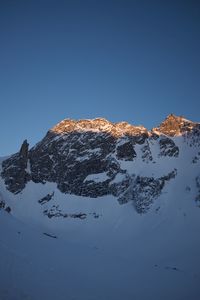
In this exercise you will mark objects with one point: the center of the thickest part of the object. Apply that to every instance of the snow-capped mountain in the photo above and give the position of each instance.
(94, 158)
(122, 202)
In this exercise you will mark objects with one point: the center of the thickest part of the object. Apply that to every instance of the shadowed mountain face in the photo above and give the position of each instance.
(93, 158)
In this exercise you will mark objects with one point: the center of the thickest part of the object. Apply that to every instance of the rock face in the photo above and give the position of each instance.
(15, 171)
(96, 157)
(198, 190)
(174, 126)
(3, 205)
(168, 147)
(23, 152)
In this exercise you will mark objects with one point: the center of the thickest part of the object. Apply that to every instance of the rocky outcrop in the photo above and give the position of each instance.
(126, 151)
(56, 212)
(14, 170)
(46, 199)
(168, 147)
(4, 206)
(146, 152)
(101, 125)
(143, 190)
(23, 152)
(198, 190)
(174, 126)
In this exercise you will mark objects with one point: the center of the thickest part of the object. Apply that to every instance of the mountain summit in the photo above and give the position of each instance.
(97, 125)
(174, 126)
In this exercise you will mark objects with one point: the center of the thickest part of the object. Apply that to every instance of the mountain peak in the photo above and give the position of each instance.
(175, 125)
(69, 125)
(97, 125)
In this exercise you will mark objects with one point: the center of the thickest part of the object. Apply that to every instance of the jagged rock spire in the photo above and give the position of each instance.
(14, 169)
(24, 149)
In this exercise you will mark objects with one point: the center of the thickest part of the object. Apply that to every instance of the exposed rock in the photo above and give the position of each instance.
(80, 216)
(8, 209)
(99, 125)
(198, 189)
(14, 170)
(50, 235)
(168, 147)
(146, 153)
(23, 152)
(174, 125)
(126, 151)
(73, 150)
(56, 212)
(143, 190)
(2, 204)
(46, 199)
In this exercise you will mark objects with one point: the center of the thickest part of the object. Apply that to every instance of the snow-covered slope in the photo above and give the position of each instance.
(119, 255)
(63, 244)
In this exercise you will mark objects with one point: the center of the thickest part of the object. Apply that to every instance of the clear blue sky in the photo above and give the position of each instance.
(123, 60)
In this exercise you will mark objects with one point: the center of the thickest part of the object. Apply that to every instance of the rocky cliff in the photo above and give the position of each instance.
(93, 158)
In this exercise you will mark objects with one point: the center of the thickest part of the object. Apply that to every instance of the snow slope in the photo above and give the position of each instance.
(119, 255)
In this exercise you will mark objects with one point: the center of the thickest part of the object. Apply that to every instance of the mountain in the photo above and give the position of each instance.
(111, 207)
(93, 158)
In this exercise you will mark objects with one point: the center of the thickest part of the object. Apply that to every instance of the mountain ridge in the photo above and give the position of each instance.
(93, 158)
(176, 122)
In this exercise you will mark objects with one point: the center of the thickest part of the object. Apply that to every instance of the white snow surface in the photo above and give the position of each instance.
(120, 255)
(98, 177)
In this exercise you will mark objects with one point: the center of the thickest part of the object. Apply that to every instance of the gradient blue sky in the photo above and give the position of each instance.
(123, 60)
